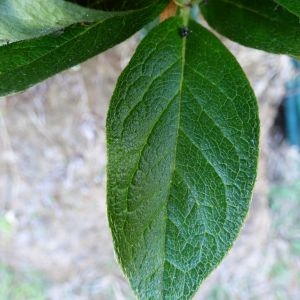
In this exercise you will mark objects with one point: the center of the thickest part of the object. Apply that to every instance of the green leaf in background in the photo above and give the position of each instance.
(255, 23)
(182, 136)
(21, 20)
(27, 62)
(111, 5)
(292, 5)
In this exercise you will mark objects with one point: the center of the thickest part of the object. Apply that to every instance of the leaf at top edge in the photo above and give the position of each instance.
(27, 62)
(23, 20)
(292, 5)
(182, 138)
(254, 23)
(111, 5)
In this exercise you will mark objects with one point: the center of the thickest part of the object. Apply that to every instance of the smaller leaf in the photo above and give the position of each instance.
(258, 24)
(23, 20)
(27, 62)
(292, 5)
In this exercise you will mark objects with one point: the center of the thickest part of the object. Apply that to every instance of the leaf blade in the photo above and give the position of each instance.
(21, 20)
(167, 121)
(27, 62)
(258, 24)
(292, 5)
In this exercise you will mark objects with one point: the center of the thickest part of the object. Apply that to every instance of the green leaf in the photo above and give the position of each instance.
(182, 136)
(292, 5)
(27, 62)
(22, 20)
(254, 23)
(111, 5)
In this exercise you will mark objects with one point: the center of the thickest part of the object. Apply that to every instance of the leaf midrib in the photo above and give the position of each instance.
(173, 169)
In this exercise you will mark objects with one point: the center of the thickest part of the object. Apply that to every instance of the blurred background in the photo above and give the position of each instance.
(54, 238)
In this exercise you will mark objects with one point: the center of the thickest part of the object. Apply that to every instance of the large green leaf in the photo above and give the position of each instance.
(255, 23)
(182, 135)
(292, 5)
(29, 61)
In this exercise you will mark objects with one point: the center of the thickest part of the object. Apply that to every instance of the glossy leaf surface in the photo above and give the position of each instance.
(27, 62)
(258, 24)
(182, 135)
(292, 5)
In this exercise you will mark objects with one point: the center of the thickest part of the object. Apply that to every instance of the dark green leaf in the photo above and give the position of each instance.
(255, 23)
(27, 62)
(110, 5)
(292, 5)
(182, 135)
